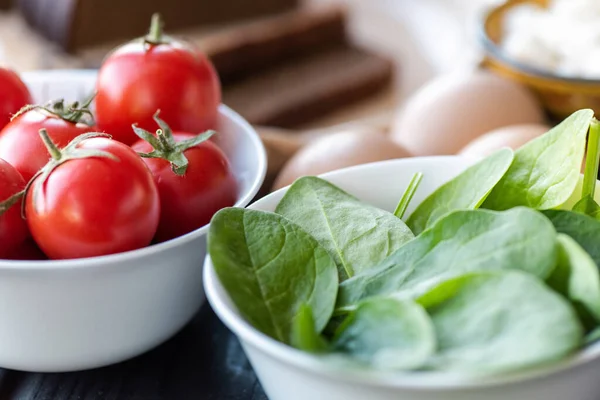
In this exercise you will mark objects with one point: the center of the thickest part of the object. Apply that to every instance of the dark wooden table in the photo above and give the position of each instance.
(204, 361)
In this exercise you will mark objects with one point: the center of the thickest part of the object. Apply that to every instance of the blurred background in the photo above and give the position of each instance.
(333, 83)
(421, 37)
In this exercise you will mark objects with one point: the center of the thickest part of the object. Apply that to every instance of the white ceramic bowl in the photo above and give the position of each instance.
(78, 314)
(288, 374)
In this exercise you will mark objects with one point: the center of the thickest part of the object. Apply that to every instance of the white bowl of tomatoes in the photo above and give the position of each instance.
(102, 236)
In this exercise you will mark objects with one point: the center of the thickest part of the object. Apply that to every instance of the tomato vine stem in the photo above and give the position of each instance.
(11, 201)
(74, 112)
(50, 146)
(156, 28)
(155, 34)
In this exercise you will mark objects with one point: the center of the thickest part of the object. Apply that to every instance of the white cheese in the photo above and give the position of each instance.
(563, 38)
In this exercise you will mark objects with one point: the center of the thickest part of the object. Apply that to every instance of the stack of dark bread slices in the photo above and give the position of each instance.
(295, 67)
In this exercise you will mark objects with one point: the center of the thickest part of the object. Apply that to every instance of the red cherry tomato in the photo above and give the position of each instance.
(13, 95)
(94, 206)
(156, 73)
(20, 142)
(13, 229)
(28, 250)
(188, 202)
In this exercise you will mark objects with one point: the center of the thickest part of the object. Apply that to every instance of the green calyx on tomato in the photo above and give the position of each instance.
(73, 112)
(166, 147)
(61, 156)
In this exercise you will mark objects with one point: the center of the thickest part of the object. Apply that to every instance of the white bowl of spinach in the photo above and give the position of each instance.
(434, 278)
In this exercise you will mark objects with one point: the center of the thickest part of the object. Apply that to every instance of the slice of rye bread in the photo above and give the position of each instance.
(294, 92)
(240, 51)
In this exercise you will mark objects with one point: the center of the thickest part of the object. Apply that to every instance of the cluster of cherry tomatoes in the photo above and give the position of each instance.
(74, 185)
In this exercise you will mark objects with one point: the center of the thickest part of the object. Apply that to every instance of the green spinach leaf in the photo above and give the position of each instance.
(545, 171)
(271, 267)
(464, 192)
(304, 333)
(593, 336)
(357, 235)
(387, 334)
(587, 204)
(412, 187)
(576, 277)
(583, 228)
(460, 242)
(498, 321)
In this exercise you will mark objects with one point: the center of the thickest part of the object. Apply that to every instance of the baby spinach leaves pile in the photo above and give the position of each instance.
(355, 234)
(486, 275)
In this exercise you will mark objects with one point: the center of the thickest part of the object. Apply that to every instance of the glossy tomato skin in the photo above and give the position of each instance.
(188, 202)
(136, 80)
(13, 95)
(13, 229)
(94, 206)
(22, 147)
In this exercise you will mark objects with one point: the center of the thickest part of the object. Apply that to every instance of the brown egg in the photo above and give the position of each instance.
(451, 111)
(513, 136)
(338, 150)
